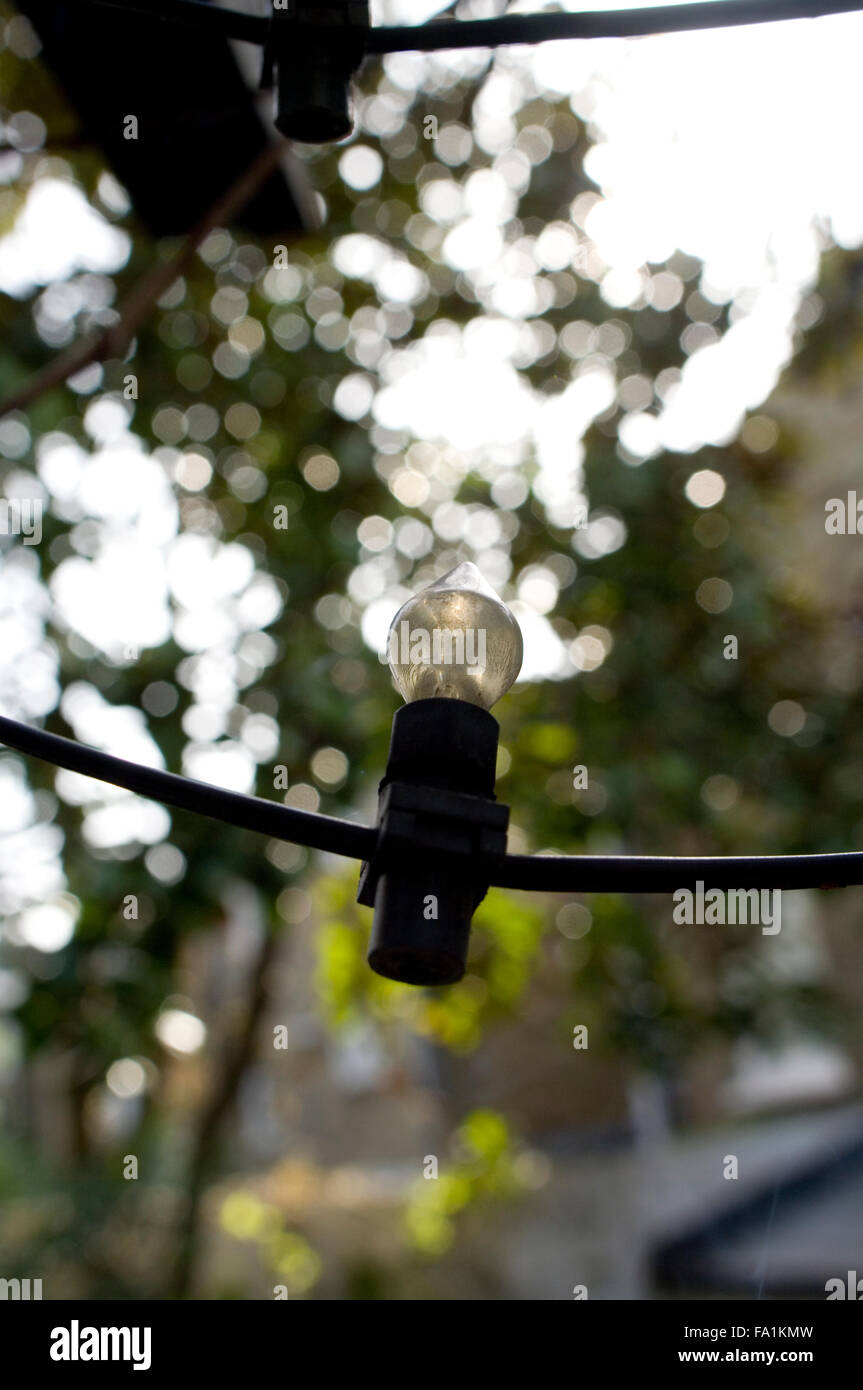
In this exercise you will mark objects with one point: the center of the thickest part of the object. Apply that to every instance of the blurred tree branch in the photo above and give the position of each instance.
(115, 340)
(234, 1063)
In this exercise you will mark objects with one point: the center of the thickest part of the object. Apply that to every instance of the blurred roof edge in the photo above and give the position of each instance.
(198, 126)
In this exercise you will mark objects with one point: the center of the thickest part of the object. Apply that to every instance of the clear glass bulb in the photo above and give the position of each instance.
(456, 640)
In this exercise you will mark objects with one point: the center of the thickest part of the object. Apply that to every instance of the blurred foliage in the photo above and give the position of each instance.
(485, 1165)
(245, 1217)
(508, 933)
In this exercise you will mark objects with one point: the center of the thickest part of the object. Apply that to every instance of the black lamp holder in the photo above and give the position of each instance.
(312, 50)
(438, 825)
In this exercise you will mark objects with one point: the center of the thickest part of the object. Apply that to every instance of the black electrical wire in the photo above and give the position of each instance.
(564, 873)
(507, 29)
(247, 812)
(599, 24)
(537, 872)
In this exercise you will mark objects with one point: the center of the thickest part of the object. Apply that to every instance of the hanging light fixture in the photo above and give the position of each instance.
(454, 649)
(313, 50)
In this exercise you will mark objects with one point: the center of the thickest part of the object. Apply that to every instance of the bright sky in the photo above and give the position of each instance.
(734, 146)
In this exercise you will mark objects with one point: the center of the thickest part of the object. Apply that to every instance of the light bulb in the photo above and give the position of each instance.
(455, 640)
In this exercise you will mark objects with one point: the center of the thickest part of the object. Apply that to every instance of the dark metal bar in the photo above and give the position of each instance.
(508, 29)
(198, 14)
